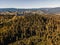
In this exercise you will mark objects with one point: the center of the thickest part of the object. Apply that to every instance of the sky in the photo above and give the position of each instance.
(29, 3)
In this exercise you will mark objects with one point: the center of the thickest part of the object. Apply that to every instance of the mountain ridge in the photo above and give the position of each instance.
(45, 10)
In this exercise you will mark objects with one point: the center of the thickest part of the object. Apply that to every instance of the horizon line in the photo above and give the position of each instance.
(28, 8)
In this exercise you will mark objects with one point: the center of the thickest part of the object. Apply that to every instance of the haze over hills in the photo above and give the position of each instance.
(45, 10)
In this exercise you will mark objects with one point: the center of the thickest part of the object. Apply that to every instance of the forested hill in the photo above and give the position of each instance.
(29, 29)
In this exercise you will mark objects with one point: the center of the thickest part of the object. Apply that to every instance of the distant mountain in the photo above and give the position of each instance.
(51, 10)
(45, 10)
(8, 9)
(14, 9)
